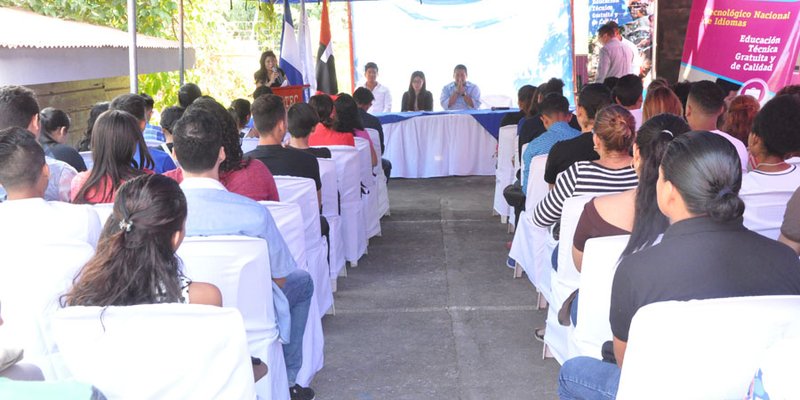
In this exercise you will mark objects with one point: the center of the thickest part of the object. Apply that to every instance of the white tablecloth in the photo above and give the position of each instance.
(439, 145)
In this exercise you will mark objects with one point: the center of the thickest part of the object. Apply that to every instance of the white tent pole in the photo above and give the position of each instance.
(181, 51)
(134, 77)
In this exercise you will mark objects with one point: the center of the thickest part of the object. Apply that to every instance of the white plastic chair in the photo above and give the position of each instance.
(104, 211)
(87, 159)
(381, 178)
(600, 257)
(703, 349)
(239, 267)
(249, 144)
(763, 212)
(504, 173)
(369, 198)
(348, 167)
(289, 220)
(303, 192)
(157, 351)
(564, 281)
(33, 276)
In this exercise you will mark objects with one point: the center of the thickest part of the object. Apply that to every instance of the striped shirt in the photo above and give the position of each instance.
(582, 178)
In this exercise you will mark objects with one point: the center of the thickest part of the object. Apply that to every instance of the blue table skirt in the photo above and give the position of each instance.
(489, 119)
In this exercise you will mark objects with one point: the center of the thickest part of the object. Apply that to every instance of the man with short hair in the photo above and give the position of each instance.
(706, 102)
(555, 116)
(212, 210)
(169, 117)
(364, 100)
(383, 98)
(136, 105)
(592, 98)
(151, 133)
(19, 108)
(302, 121)
(615, 59)
(188, 93)
(27, 216)
(628, 93)
(460, 94)
(269, 117)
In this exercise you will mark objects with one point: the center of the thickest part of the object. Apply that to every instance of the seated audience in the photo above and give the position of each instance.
(657, 83)
(706, 102)
(628, 93)
(302, 119)
(790, 229)
(135, 105)
(19, 108)
(681, 89)
(533, 126)
(240, 111)
(24, 175)
(346, 121)
(363, 98)
(188, 93)
(324, 134)
(53, 130)
(775, 133)
(705, 253)
(614, 132)
(169, 116)
(86, 142)
(555, 115)
(212, 210)
(524, 96)
(460, 94)
(592, 98)
(659, 101)
(739, 117)
(789, 89)
(382, 96)
(269, 116)
(417, 97)
(115, 139)
(151, 133)
(241, 175)
(611, 82)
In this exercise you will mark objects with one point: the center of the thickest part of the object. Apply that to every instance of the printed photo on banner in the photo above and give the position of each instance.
(635, 18)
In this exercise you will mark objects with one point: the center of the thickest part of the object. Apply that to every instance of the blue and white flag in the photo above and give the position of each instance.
(306, 52)
(290, 61)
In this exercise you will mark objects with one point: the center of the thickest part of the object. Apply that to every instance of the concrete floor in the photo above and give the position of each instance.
(432, 312)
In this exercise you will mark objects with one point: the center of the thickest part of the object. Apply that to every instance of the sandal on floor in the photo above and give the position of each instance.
(538, 334)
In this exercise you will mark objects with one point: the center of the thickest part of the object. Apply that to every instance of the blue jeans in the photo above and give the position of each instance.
(298, 290)
(588, 378)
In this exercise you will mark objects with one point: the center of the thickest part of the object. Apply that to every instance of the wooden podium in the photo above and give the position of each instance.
(290, 94)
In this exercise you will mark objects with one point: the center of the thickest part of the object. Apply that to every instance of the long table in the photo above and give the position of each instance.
(447, 143)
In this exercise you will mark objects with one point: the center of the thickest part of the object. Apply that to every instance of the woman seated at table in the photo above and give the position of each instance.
(239, 174)
(53, 130)
(115, 139)
(269, 74)
(345, 125)
(417, 98)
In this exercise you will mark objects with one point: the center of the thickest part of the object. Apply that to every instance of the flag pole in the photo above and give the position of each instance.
(352, 57)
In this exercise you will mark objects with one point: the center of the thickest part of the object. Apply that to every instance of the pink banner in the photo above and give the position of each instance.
(753, 43)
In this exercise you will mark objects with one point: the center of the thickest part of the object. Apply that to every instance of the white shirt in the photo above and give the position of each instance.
(759, 182)
(202, 183)
(34, 220)
(637, 115)
(740, 148)
(61, 176)
(636, 65)
(615, 59)
(383, 99)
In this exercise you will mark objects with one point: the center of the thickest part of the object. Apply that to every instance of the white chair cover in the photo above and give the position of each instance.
(104, 211)
(703, 349)
(330, 192)
(157, 351)
(239, 267)
(303, 191)
(600, 256)
(369, 198)
(348, 167)
(763, 212)
(87, 159)
(33, 276)
(381, 178)
(504, 174)
(289, 220)
(564, 281)
(249, 144)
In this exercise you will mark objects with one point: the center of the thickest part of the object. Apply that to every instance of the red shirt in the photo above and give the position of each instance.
(253, 181)
(93, 195)
(324, 136)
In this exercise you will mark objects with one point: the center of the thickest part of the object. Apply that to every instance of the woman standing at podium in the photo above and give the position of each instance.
(269, 74)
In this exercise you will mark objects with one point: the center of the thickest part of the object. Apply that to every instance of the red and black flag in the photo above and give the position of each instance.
(326, 67)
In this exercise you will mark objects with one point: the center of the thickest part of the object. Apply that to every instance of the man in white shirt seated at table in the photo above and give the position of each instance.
(212, 210)
(26, 216)
(383, 98)
(18, 107)
(460, 94)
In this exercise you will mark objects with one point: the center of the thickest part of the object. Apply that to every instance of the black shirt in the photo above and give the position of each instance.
(700, 258)
(319, 152)
(69, 155)
(372, 122)
(424, 102)
(568, 152)
(512, 118)
(287, 161)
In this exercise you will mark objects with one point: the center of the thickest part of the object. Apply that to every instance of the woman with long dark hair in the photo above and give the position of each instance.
(115, 138)
(344, 126)
(86, 142)
(417, 98)
(53, 130)
(269, 73)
